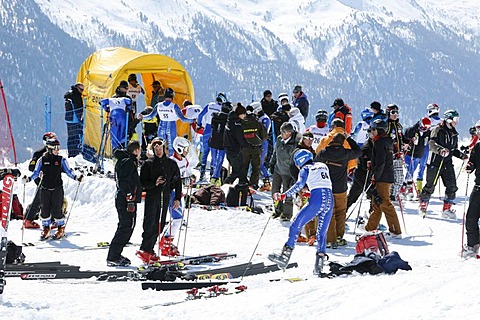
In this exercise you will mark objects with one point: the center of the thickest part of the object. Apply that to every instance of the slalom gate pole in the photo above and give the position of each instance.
(464, 215)
(255, 250)
(29, 208)
(364, 186)
(73, 203)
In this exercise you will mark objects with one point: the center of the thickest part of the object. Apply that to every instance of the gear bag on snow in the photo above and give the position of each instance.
(372, 241)
(14, 253)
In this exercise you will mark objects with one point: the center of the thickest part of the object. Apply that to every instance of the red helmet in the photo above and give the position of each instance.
(425, 123)
(49, 135)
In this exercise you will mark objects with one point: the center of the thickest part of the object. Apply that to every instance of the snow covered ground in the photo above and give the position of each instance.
(441, 285)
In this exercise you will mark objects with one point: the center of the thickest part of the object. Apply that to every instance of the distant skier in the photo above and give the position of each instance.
(74, 118)
(320, 129)
(316, 176)
(119, 109)
(50, 166)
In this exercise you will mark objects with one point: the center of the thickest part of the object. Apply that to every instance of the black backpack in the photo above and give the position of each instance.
(237, 196)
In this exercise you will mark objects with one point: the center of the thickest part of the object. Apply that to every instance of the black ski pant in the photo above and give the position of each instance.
(126, 224)
(447, 173)
(155, 216)
(74, 140)
(238, 170)
(251, 156)
(35, 206)
(52, 202)
(473, 215)
(281, 183)
(356, 190)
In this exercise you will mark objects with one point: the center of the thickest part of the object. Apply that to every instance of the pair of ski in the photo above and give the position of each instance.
(227, 273)
(195, 294)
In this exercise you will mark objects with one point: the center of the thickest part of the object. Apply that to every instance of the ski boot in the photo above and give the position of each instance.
(147, 257)
(60, 233)
(403, 191)
(28, 224)
(423, 208)
(45, 233)
(447, 211)
(120, 262)
(266, 185)
(471, 252)
(281, 259)
(410, 192)
(167, 248)
(301, 239)
(214, 181)
(320, 259)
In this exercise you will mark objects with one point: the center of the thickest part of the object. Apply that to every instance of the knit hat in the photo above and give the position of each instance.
(297, 88)
(267, 93)
(286, 107)
(338, 103)
(123, 84)
(282, 96)
(375, 105)
(240, 109)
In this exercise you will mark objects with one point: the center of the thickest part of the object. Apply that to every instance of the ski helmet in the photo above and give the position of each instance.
(451, 116)
(321, 116)
(425, 123)
(52, 144)
(222, 97)
(392, 109)
(432, 109)
(180, 144)
(48, 135)
(282, 96)
(294, 111)
(227, 107)
(257, 107)
(367, 114)
(169, 93)
(301, 157)
(379, 124)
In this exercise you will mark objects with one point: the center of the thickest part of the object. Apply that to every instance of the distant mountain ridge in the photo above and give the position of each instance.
(406, 52)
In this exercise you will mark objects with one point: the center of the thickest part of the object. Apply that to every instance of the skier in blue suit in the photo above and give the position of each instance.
(118, 109)
(168, 112)
(316, 176)
(205, 120)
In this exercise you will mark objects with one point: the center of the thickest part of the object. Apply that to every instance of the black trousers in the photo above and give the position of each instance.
(235, 159)
(52, 201)
(356, 190)
(473, 215)
(251, 156)
(447, 173)
(126, 224)
(74, 140)
(34, 207)
(155, 216)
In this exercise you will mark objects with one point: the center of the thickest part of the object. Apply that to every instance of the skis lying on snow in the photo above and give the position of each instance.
(225, 273)
(195, 294)
(213, 257)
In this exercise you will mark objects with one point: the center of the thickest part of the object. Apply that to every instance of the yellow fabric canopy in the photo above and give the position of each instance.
(102, 72)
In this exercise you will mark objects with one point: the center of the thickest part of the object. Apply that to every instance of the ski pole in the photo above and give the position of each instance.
(255, 250)
(464, 215)
(73, 203)
(361, 200)
(401, 211)
(364, 186)
(183, 214)
(188, 215)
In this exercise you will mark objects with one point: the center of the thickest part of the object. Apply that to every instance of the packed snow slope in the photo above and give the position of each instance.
(440, 286)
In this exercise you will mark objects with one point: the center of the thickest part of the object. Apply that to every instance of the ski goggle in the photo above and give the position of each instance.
(454, 119)
(158, 142)
(394, 112)
(308, 138)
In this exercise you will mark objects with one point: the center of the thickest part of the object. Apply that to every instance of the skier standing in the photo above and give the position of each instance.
(360, 133)
(219, 121)
(74, 118)
(50, 166)
(442, 145)
(341, 111)
(129, 193)
(473, 212)
(159, 175)
(395, 132)
(300, 101)
(320, 129)
(316, 177)
(233, 141)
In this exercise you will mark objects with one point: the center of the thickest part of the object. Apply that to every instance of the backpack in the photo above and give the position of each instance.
(372, 241)
(237, 196)
(14, 253)
(251, 132)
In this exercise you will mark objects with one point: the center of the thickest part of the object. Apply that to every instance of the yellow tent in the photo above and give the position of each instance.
(102, 72)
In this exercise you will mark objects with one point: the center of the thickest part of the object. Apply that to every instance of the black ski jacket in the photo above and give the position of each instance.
(443, 137)
(418, 148)
(269, 107)
(219, 121)
(161, 167)
(382, 159)
(474, 163)
(126, 171)
(233, 140)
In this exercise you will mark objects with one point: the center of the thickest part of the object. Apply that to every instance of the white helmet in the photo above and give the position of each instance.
(432, 109)
(257, 107)
(294, 111)
(180, 144)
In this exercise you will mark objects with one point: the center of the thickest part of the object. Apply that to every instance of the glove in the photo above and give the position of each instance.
(463, 156)
(351, 171)
(26, 179)
(469, 168)
(79, 178)
(444, 152)
(372, 181)
(130, 207)
(129, 197)
(279, 196)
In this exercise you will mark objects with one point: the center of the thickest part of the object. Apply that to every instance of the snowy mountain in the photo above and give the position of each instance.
(440, 285)
(406, 52)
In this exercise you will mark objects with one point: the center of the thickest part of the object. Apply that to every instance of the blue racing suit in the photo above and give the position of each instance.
(316, 177)
(204, 120)
(169, 113)
(118, 109)
(265, 120)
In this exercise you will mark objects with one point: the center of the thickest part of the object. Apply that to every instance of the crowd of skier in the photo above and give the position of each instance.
(268, 148)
